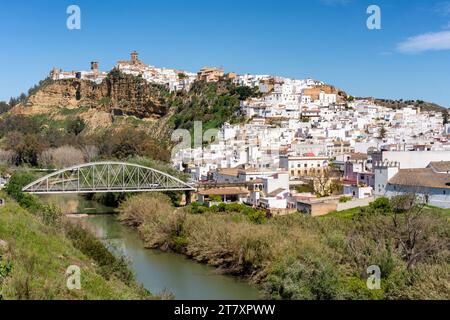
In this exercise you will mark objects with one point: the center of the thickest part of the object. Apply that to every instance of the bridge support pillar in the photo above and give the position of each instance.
(188, 195)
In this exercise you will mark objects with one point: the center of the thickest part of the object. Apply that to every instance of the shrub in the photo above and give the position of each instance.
(88, 244)
(75, 126)
(344, 199)
(253, 215)
(215, 198)
(297, 257)
(14, 189)
(139, 209)
(64, 156)
(5, 270)
(381, 205)
(51, 215)
(308, 277)
(197, 208)
(258, 217)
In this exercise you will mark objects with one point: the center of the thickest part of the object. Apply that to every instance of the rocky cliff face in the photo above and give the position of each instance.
(315, 92)
(134, 96)
(117, 94)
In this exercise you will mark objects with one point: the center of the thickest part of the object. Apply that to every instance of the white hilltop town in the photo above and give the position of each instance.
(306, 147)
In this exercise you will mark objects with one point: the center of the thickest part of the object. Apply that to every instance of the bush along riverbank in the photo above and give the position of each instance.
(300, 257)
(39, 244)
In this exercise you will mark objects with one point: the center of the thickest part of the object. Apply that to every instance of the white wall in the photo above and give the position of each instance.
(354, 204)
(271, 183)
(382, 177)
(436, 196)
(415, 159)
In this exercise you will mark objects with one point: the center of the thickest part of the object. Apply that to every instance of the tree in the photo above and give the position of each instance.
(326, 182)
(90, 152)
(445, 116)
(413, 230)
(6, 157)
(78, 94)
(26, 148)
(75, 126)
(45, 159)
(22, 97)
(129, 142)
(61, 157)
(4, 107)
(245, 92)
(382, 133)
(12, 102)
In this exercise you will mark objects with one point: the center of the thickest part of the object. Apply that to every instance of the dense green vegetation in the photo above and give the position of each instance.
(300, 257)
(211, 103)
(4, 107)
(29, 138)
(41, 244)
(241, 210)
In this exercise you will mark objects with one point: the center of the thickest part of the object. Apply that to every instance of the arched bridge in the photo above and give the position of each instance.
(107, 176)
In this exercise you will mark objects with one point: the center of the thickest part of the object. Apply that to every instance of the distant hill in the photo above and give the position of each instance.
(398, 104)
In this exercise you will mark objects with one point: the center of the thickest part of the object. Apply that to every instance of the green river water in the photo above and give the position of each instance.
(157, 271)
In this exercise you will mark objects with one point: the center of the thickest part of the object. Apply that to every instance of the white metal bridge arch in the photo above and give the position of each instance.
(106, 176)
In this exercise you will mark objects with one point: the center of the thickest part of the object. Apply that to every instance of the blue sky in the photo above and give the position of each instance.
(324, 39)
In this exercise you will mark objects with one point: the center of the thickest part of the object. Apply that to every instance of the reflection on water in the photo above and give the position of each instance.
(159, 271)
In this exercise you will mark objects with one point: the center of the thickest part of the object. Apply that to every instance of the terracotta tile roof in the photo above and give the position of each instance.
(229, 171)
(440, 166)
(421, 178)
(275, 192)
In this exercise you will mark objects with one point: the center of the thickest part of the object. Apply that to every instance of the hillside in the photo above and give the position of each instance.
(399, 104)
(121, 95)
(122, 100)
(34, 257)
(118, 94)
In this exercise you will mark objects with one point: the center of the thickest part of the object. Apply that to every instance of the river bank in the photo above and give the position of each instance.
(300, 257)
(169, 273)
(164, 272)
(37, 250)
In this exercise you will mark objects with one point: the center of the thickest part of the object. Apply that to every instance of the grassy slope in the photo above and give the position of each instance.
(350, 213)
(40, 256)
